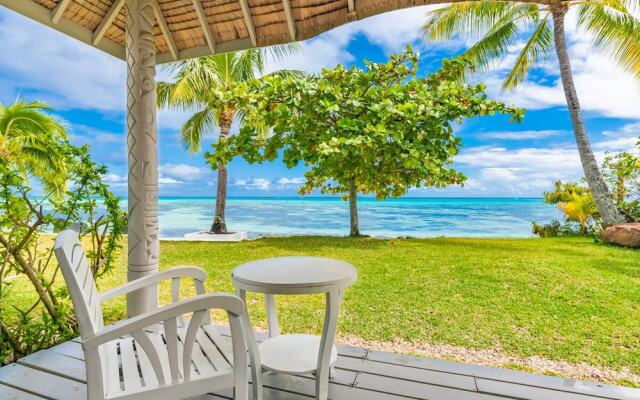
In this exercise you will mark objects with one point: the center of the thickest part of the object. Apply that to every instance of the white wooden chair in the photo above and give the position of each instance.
(157, 355)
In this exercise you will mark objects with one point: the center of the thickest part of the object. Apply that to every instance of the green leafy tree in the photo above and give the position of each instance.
(29, 141)
(622, 173)
(541, 23)
(207, 84)
(378, 130)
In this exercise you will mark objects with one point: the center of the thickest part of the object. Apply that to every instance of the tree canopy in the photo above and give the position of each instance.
(378, 130)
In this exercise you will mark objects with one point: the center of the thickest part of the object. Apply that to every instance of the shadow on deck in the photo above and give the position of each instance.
(58, 373)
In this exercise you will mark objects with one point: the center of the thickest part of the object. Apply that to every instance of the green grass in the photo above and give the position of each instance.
(562, 299)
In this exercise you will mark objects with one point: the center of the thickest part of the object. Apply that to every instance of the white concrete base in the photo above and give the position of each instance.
(207, 236)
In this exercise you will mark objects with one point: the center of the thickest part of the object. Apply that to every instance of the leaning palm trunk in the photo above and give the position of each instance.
(219, 223)
(609, 212)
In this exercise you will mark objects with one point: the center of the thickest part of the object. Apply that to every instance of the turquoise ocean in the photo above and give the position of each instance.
(415, 217)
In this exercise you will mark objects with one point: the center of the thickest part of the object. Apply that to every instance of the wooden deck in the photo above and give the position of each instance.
(59, 373)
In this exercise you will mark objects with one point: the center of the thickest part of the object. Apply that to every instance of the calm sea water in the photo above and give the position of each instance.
(416, 217)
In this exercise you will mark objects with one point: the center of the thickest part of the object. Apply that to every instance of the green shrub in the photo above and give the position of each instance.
(87, 203)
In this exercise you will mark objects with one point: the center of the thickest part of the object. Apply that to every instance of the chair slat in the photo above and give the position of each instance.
(189, 341)
(130, 373)
(171, 339)
(112, 367)
(161, 349)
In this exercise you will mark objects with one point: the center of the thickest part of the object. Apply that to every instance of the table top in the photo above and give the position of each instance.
(294, 275)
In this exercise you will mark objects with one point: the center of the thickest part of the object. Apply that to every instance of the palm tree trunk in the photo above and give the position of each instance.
(219, 223)
(353, 209)
(609, 212)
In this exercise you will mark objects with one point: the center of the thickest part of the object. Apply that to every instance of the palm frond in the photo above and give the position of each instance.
(615, 33)
(288, 73)
(467, 19)
(200, 125)
(537, 47)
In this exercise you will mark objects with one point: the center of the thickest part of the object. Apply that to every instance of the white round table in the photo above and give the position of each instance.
(294, 354)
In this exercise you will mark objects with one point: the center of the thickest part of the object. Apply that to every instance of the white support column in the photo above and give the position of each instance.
(142, 151)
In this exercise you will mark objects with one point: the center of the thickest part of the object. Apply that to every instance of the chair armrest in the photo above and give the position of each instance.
(228, 302)
(198, 274)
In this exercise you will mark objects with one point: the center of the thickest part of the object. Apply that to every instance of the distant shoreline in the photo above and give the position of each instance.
(366, 198)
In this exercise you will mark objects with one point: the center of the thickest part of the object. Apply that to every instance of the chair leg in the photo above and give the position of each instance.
(254, 352)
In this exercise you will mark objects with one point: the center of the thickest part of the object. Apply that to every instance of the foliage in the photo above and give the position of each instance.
(556, 229)
(29, 142)
(622, 173)
(376, 130)
(23, 221)
(576, 203)
(209, 85)
(503, 25)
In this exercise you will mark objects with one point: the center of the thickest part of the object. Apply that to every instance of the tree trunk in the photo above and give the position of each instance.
(219, 224)
(353, 209)
(609, 212)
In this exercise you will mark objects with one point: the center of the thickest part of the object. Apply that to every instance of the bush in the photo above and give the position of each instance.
(26, 252)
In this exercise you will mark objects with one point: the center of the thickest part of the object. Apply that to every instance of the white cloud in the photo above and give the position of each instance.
(165, 180)
(183, 172)
(529, 171)
(394, 30)
(291, 181)
(632, 129)
(521, 135)
(520, 172)
(253, 183)
(114, 178)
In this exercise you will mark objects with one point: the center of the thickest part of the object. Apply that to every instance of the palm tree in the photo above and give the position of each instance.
(503, 24)
(29, 141)
(202, 83)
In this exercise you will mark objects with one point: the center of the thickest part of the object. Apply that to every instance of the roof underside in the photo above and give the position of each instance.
(193, 28)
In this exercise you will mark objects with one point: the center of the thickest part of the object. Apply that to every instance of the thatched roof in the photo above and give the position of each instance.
(193, 28)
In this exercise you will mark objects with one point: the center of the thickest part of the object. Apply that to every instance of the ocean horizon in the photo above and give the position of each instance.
(404, 217)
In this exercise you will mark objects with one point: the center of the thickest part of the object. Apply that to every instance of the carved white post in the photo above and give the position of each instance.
(142, 151)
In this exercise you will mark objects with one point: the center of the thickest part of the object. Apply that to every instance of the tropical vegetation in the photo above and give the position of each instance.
(581, 216)
(28, 269)
(208, 84)
(30, 143)
(622, 173)
(503, 25)
(377, 130)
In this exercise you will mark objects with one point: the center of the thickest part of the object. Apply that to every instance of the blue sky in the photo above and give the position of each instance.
(87, 88)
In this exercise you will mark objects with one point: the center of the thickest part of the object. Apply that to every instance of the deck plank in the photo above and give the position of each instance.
(509, 376)
(70, 348)
(9, 393)
(41, 383)
(56, 364)
(58, 373)
(408, 373)
(306, 386)
(528, 392)
(418, 390)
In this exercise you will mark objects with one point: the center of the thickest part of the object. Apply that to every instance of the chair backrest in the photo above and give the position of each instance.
(79, 278)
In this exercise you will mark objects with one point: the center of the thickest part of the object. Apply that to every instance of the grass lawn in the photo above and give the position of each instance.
(562, 299)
